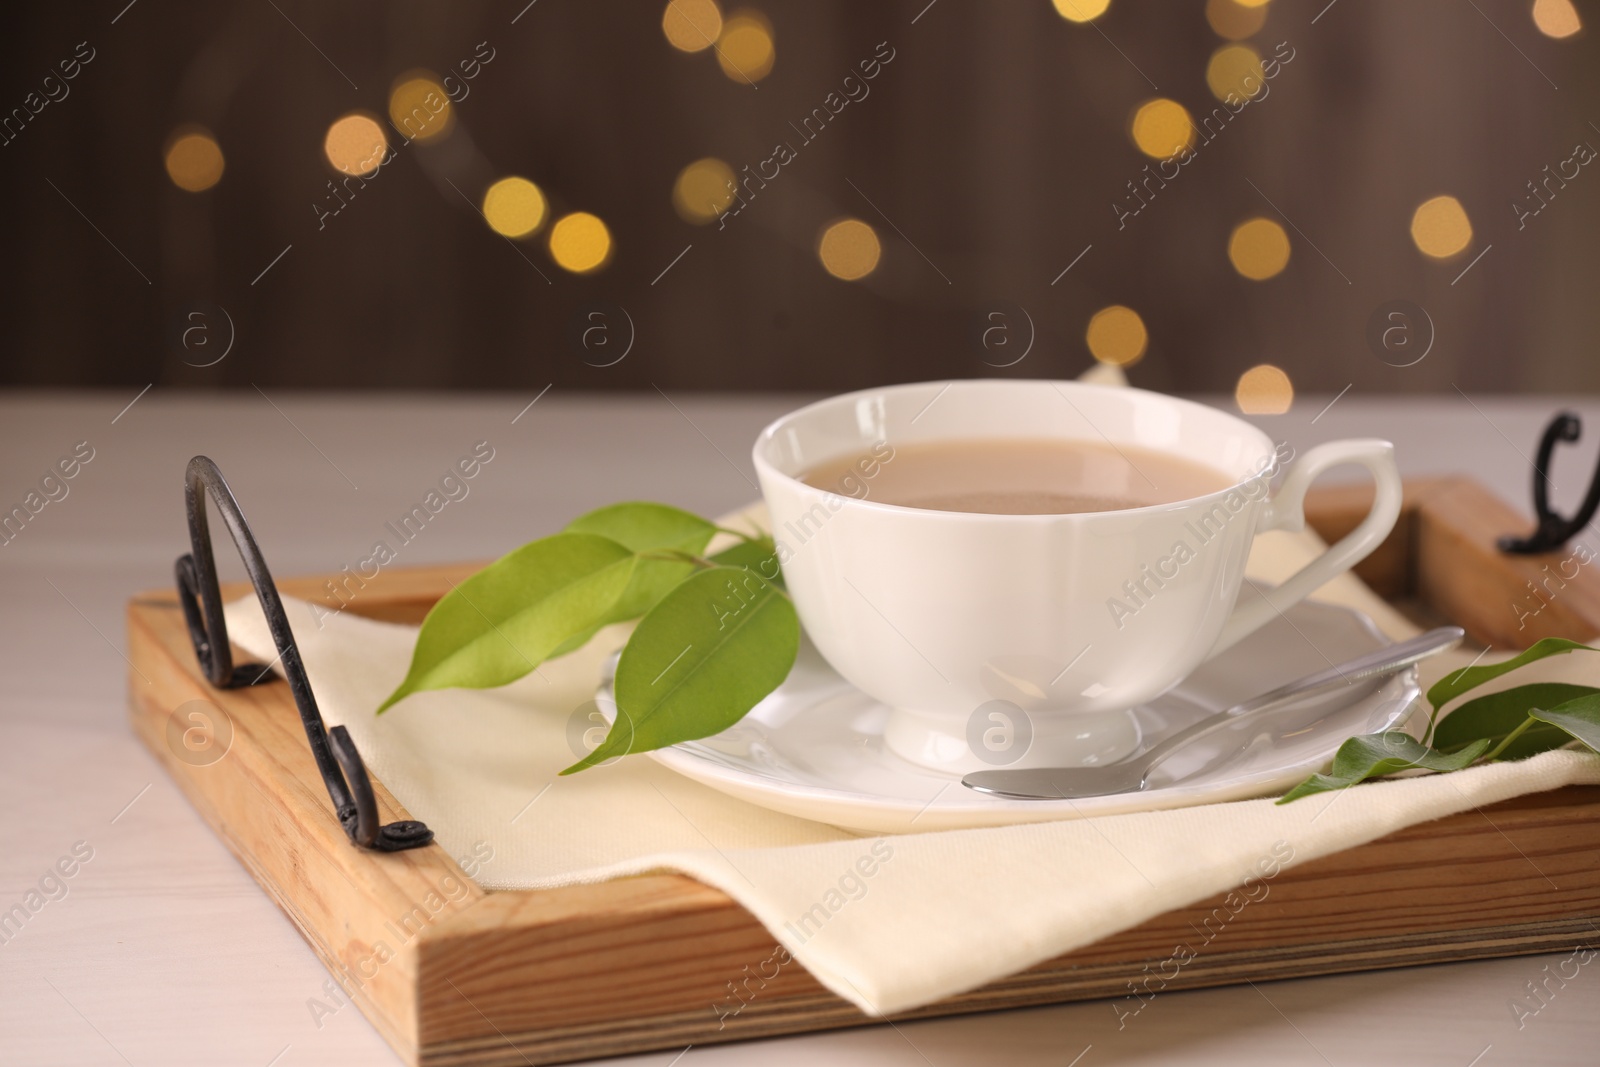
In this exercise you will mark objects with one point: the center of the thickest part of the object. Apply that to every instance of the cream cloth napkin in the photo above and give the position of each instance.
(887, 923)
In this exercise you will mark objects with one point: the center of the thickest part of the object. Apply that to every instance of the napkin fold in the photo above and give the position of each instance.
(887, 923)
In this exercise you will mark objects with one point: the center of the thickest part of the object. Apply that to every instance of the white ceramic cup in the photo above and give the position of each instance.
(998, 639)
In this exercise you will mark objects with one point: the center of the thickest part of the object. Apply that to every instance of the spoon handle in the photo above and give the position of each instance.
(1376, 664)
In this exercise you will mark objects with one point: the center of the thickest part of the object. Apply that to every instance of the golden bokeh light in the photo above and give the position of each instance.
(420, 108)
(355, 144)
(1234, 20)
(1440, 227)
(1161, 128)
(580, 242)
(849, 249)
(1081, 10)
(1235, 69)
(1116, 334)
(194, 161)
(691, 25)
(745, 50)
(514, 207)
(703, 191)
(1253, 3)
(1556, 18)
(1259, 249)
(1264, 390)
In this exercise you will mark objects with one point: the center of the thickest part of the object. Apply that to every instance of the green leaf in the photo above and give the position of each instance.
(1455, 683)
(509, 617)
(1372, 755)
(1497, 715)
(702, 658)
(760, 556)
(1506, 721)
(1579, 717)
(643, 527)
(1317, 783)
(646, 527)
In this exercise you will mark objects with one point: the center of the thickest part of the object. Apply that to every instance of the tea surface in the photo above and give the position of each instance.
(1021, 476)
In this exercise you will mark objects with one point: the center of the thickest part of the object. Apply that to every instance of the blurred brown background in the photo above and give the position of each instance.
(987, 157)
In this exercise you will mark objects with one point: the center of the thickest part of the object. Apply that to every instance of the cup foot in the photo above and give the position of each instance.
(1002, 734)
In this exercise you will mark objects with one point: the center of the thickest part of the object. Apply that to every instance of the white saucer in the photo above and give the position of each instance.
(814, 747)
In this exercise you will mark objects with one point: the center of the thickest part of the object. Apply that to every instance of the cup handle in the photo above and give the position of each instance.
(1286, 511)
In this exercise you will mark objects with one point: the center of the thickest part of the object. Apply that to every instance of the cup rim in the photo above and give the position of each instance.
(765, 468)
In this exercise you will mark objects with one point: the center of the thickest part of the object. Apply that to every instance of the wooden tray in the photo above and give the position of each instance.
(1441, 565)
(453, 975)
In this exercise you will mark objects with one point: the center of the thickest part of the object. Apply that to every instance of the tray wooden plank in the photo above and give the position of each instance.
(469, 978)
(266, 800)
(1441, 563)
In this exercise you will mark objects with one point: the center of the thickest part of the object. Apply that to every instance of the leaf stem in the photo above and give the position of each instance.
(1506, 742)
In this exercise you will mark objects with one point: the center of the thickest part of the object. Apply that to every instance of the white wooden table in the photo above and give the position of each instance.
(163, 951)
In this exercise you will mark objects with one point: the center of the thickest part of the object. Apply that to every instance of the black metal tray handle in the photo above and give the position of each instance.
(343, 772)
(1552, 530)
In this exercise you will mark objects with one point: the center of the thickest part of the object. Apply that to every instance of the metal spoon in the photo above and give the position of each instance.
(1130, 775)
